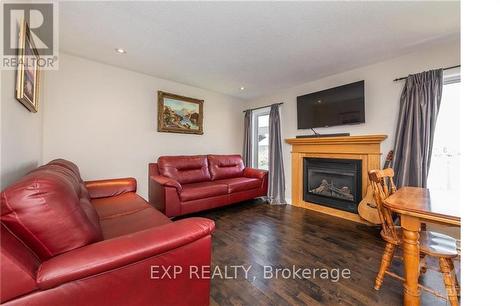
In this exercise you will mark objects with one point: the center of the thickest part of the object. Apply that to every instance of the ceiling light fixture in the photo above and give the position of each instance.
(120, 51)
(242, 88)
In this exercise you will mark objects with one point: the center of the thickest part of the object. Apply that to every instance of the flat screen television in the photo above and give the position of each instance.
(335, 106)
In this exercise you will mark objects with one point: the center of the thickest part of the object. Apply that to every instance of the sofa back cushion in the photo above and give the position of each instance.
(72, 173)
(184, 169)
(44, 210)
(68, 165)
(225, 166)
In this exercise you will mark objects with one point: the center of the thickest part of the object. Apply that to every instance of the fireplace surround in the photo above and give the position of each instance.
(363, 148)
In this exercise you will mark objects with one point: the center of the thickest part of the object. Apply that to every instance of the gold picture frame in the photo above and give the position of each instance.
(178, 114)
(28, 71)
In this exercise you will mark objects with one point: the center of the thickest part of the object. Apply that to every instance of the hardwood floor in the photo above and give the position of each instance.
(260, 235)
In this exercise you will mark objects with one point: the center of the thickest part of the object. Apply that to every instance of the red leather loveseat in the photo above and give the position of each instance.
(69, 242)
(180, 185)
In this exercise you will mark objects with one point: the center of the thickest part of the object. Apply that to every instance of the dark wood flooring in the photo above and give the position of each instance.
(257, 234)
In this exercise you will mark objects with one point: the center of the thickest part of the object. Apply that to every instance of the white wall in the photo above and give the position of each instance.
(381, 96)
(21, 133)
(104, 119)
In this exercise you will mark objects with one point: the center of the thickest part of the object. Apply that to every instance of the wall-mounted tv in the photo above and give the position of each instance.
(335, 106)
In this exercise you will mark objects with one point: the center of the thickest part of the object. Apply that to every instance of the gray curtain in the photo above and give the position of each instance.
(247, 139)
(419, 107)
(276, 187)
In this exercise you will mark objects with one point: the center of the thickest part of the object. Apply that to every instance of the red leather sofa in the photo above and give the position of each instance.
(69, 242)
(180, 185)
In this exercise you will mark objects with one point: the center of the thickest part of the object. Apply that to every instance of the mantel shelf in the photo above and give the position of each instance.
(363, 139)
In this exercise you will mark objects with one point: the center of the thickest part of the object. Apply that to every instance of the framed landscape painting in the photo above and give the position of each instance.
(28, 71)
(178, 114)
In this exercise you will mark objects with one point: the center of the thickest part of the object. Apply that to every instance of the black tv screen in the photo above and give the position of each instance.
(335, 106)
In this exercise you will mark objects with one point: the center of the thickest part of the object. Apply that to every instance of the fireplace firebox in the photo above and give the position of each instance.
(333, 182)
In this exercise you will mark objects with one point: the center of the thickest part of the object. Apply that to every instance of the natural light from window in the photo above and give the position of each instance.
(444, 173)
(261, 139)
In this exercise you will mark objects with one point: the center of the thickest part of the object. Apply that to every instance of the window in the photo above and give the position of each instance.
(260, 136)
(444, 172)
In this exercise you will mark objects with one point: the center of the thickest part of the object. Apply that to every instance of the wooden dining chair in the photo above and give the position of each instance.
(432, 244)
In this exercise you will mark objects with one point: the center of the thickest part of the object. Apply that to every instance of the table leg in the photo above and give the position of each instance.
(411, 257)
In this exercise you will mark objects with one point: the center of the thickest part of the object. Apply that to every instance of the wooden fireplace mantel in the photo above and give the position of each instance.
(365, 148)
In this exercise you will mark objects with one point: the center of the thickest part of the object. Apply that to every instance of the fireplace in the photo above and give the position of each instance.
(333, 182)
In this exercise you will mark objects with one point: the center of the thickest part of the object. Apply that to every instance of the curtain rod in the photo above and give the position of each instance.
(447, 68)
(252, 109)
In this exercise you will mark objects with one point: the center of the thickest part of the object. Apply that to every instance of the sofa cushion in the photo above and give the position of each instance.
(202, 190)
(70, 172)
(122, 204)
(91, 213)
(68, 165)
(125, 214)
(240, 183)
(64, 172)
(225, 166)
(120, 225)
(43, 209)
(184, 169)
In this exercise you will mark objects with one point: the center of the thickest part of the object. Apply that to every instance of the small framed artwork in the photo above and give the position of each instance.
(28, 71)
(178, 114)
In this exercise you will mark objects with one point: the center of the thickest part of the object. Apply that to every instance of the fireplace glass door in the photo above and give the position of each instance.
(333, 182)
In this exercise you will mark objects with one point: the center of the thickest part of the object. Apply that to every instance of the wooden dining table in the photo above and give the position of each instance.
(416, 206)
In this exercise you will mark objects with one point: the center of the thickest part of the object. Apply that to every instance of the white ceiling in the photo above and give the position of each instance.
(263, 46)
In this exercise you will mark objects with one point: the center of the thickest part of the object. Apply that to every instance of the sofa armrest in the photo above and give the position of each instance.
(254, 173)
(108, 255)
(167, 182)
(164, 195)
(112, 187)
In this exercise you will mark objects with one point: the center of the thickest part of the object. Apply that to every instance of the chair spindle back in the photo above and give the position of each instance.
(383, 186)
